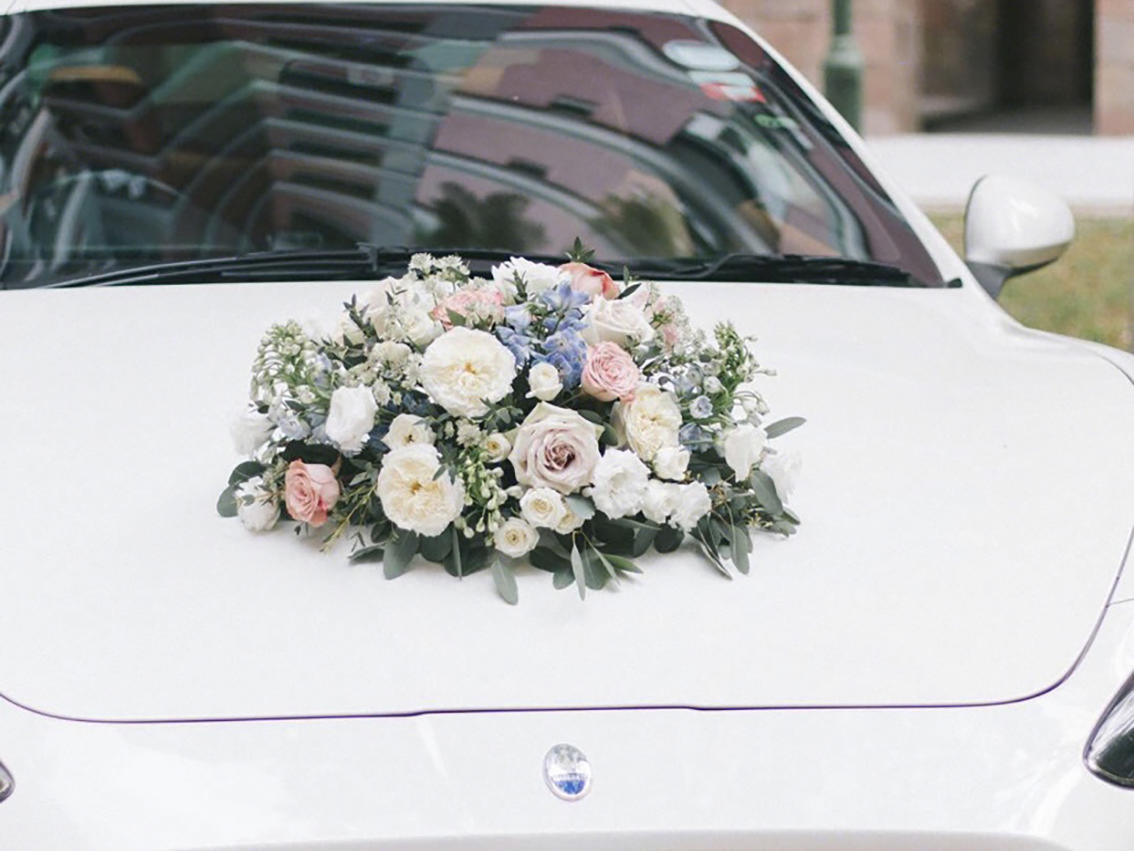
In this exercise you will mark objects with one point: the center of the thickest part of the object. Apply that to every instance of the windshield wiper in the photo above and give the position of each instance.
(777, 269)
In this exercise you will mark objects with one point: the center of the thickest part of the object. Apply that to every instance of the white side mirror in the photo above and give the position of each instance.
(1013, 227)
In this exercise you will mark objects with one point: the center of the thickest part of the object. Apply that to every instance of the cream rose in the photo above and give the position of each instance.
(743, 446)
(650, 422)
(544, 380)
(413, 496)
(555, 448)
(610, 373)
(406, 430)
(619, 321)
(515, 538)
(543, 507)
(465, 371)
(310, 492)
(351, 418)
(497, 446)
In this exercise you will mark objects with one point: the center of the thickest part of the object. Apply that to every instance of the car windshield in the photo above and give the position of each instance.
(138, 135)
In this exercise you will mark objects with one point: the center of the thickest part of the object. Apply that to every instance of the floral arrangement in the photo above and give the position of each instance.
(548, 416)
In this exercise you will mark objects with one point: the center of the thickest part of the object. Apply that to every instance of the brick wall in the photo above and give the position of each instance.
(1114, 67)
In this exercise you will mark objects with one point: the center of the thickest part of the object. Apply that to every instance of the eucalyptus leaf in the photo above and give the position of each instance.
(781, 427)
(593, 572)
(623, 564)
(546, 559)
(765, 490)
(710, 476)
(505, 582)
(562, 579)
(740, 547)
(436, 548)
(244, 471)
(367, 554)
(226, 503)
(579, 571)
(453, 562)
(400, 550)
(668, 539)
(580, 505)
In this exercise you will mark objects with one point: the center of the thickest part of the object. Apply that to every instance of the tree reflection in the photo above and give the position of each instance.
(495, 221)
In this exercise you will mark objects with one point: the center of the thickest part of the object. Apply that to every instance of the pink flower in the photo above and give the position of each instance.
(587, 279)
(310, 491)
(483, 304)
(610, 373)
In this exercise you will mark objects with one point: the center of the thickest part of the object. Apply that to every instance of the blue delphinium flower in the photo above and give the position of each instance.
(562, 298)
(518, 318)
(567, 352)
(693, 437)
(520, 345)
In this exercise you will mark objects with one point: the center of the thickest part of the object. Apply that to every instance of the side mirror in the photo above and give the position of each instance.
(1013, 227)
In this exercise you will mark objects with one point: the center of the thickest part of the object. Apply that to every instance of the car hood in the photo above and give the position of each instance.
(965, 497)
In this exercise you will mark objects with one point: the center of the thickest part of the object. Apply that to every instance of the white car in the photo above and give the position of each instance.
(940, 659)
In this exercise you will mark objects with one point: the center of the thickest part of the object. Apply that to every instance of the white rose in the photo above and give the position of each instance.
(693, 503)
(413, 496)
(406, 430)
(620, 483)
(351, 417)
(618, 321)
(650, 422)
(742, 448)
(465, 371)
(515, 538)
(250, 430)
(543, 507)
(497, 446)
(784, 468)
(537, 277)
(661, 500)
(543, 378)
(257, 508)
(671, 462)
(570, 522)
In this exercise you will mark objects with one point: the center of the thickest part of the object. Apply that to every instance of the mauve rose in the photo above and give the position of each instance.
(310, 491)
(555, 448)
(610, 373)
(587, 279)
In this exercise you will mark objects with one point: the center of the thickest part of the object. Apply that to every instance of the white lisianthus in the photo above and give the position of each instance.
(351, 418)
(743, 446)
(693, 503)
(515, 537)
(650, 422)
(413, 496)
(784, 468)
(406, 430)
(671, 462)
(497, 446)
(257, 507)
(543, 507)
(661, 500)
(537, 277)
(617, 321)
(250, 430)
(465, 371)
(620, 483)
(543, 378)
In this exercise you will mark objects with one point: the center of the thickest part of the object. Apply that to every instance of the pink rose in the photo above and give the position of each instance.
(480, 304)
(310, 491)
(555, 448)
(587, 279)
(610, 373)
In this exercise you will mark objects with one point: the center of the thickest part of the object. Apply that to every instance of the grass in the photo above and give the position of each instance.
(1087, 293)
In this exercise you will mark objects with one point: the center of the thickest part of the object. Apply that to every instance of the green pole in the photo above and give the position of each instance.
(842, 70)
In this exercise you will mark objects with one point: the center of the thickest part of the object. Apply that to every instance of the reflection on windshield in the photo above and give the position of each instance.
(142, 134)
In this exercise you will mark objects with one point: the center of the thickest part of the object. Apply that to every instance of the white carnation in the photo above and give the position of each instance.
(671, 462)
(650, 422)
(543, 378)
(257, 507)
(497, 446)
(515, 538)
(413, 496)
(543, 507)
(784, 468)
(465, 371)
(693, 503)
(619, 483)
(537, 277)
(250, 430)
(661, 500)
(406, 430)
(743, 446)
(351, 417)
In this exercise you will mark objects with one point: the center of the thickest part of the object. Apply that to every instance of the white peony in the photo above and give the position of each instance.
(257, 508)
(743, 446)
(650, 422)
(250, 430)
(671, 462)
(413, 496)
(465, 371)
(497, 446)
(620, 483)
(543, 507)
(617, 321)
(693, 503)
(351, 417)
(543, 378)
(406, 430)
(661, 500)
(515, 538)
(784, 468)
(537, 277)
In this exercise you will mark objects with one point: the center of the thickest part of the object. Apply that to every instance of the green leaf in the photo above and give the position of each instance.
(623, 564)
(701, 536)
(454, 562)
(783, 426)
(457, 320)
(366, 554)
(630, 290)
(505, 582)
(579, 571)
(606, 563)
(244, 471)
(546, 559)
(668, 539)
(562, 579)
(399, 553)
(593, 571)
(580, 505)
(643, 538)
(591, 416)
(741, 544)
(710, 476)
(436, 548)
(765, 490)
(226, 503)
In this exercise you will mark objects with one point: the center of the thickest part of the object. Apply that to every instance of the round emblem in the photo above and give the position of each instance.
(567, 772)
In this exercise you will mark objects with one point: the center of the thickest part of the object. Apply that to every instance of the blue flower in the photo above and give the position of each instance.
(520, 345)
(562, 298)
(693, 437)
(567, 352)
(518, 317)
(701, 408)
